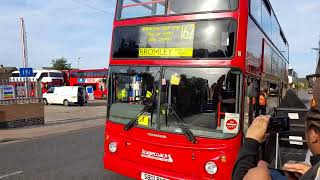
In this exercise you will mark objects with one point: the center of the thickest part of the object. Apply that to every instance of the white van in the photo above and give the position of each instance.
(65, 95)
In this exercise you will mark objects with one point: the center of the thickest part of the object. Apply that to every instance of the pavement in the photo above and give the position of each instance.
(10, 135)
(60, 119)
(92, 110)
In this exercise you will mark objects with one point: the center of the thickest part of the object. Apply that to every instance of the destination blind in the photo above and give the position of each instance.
(207, 39)
(169, 40)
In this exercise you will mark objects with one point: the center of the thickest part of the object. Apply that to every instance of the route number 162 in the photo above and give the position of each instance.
(187, 32)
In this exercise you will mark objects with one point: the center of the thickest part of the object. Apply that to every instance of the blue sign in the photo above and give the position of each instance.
(81, 80)
(89, 90)
(26, 72)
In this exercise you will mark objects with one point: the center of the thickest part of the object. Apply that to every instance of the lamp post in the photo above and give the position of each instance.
(318, 67)
(79, 58)
(317, 49)
(312, 78)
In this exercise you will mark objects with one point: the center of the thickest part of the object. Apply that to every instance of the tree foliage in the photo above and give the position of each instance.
(60, 64)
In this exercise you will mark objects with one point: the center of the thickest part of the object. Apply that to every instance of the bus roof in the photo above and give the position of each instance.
(87, 70)
(42, 70)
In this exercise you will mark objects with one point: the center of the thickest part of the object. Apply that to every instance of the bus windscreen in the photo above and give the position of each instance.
(202, 39)
(153, 96)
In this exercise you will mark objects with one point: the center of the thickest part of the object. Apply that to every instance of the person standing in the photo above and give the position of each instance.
(263, 103)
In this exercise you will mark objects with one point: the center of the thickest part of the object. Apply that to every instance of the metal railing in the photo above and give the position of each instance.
(20, 91)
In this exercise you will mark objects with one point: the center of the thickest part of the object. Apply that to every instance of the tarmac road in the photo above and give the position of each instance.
(72, 155)
(305, 97)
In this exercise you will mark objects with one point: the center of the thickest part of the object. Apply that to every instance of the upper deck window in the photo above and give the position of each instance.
(261, 12)
(191, 6)
(140, 8)
(52, 74)
(15, 75)
(146, 8)
(89, 74)
(44, 74)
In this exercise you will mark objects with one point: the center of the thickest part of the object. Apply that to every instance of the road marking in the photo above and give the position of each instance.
(11, 174)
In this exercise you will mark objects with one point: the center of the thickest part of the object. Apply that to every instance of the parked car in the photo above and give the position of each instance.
(65, 95)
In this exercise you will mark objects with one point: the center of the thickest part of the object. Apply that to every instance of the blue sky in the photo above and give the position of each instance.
(58, 28)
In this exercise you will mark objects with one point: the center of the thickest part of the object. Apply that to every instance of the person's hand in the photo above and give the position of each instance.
(259, 172)
(300, 168)
(258, 128)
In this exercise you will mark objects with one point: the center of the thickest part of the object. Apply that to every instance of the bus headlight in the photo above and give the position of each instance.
(211, 168)
(113, 147)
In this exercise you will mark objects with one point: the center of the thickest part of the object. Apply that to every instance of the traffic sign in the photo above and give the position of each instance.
(26, 72)
(231, 123)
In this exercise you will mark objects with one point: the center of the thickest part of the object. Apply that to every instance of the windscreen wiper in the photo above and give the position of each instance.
(130, 124)
(185, 129)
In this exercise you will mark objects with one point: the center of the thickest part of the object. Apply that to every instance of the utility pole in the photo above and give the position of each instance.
(79, 58)
(24, 43)
(25, 55)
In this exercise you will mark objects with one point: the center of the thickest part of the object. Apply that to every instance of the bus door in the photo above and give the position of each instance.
(251, 100)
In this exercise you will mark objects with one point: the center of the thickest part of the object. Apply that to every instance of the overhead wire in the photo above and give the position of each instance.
(92, 7)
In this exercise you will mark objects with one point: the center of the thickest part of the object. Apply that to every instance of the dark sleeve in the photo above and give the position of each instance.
(247, 159)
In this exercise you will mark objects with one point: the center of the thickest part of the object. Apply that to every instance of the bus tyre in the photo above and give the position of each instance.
(45, 101)
(66, 103)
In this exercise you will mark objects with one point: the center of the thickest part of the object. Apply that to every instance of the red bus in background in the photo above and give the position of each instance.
(184, 82)
(96, 78)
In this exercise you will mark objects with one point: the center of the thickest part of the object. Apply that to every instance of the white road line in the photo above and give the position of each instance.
(11, 174)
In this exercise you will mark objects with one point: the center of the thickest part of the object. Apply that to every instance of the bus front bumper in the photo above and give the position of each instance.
(134, 170)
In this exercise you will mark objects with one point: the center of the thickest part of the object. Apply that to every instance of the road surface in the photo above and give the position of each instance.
(305, 97)
(73, 155)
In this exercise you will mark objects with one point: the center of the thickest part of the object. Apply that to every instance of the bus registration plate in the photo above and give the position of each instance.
(146, 176)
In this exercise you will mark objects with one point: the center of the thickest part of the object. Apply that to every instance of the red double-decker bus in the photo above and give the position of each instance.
(185, 77)
(96, 78)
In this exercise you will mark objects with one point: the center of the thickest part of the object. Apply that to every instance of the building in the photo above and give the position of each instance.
(292, 77)
(5, 72)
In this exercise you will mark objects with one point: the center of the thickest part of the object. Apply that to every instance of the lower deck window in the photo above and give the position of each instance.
(204, 98)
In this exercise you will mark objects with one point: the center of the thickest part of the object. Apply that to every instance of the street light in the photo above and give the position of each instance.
(317, 49)
(79, 62)
(318, 67)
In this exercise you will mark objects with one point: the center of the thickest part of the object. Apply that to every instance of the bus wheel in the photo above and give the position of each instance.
(45, 101)
(66, 103)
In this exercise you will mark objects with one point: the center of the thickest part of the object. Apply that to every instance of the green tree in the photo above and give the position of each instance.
(60, 64)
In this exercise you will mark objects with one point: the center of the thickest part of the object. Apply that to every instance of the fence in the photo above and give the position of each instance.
(21, 103)
(20, 91)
